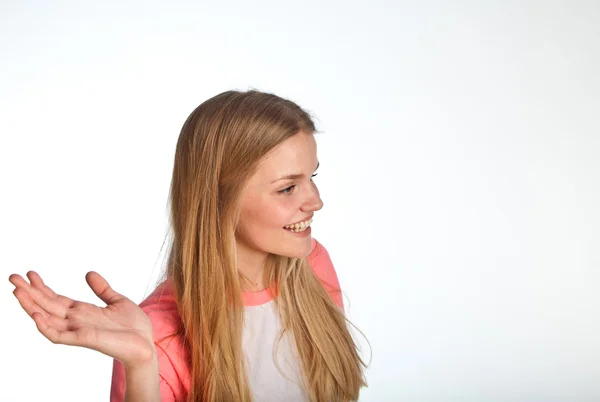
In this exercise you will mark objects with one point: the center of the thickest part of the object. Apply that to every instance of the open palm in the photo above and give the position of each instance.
(121, 329)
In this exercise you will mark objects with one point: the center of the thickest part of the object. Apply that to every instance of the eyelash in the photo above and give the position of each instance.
(285, 190)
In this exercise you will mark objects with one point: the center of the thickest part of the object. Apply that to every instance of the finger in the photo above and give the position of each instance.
(26, 303)
(102, 289)
(38, 283)
(53, 334)
(18, 281)
(32, 309)
(50, 306)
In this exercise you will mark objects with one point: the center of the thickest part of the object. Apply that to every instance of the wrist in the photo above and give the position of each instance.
(143, 361)
(143, 381)
(142, 369)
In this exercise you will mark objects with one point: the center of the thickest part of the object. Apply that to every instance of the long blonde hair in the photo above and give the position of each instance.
(218, 150)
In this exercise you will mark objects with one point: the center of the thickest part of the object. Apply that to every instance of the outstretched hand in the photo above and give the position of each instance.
(121, 329)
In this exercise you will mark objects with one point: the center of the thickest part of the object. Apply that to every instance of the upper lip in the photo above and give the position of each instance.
(303, 220)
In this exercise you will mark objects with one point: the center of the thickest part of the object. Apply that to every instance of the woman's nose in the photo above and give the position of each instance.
(314, 202)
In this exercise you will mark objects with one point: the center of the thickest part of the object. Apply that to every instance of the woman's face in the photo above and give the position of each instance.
(270, 201)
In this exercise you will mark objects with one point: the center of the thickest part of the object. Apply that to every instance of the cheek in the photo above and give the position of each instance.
(267, 217)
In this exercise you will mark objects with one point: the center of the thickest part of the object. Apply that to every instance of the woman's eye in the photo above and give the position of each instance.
(288, 190)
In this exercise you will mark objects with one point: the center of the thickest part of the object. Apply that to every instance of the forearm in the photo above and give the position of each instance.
(143, 383)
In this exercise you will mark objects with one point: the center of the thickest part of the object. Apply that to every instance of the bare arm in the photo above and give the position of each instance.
(143, 382)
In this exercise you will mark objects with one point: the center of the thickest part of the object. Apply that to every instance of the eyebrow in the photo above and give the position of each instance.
(294, 176)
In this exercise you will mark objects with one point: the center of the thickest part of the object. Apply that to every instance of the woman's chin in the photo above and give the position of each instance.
(299, 251)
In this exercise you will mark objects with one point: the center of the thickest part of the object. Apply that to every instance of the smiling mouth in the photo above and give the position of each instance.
(299, 227)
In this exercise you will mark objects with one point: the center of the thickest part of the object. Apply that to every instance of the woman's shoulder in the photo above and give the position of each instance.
(161, 308)
(316, 249)
(161, 304)
(321, 263)
(322, 266)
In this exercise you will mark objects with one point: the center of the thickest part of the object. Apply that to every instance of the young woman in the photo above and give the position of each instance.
(249, 308)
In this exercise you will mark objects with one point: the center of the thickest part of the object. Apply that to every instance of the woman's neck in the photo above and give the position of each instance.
(251, 266)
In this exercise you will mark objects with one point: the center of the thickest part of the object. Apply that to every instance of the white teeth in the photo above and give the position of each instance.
(299, 227)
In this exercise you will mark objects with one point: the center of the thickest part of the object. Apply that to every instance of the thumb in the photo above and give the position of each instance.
(101, 288)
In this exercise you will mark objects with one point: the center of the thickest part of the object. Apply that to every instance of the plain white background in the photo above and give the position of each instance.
(459, 172)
